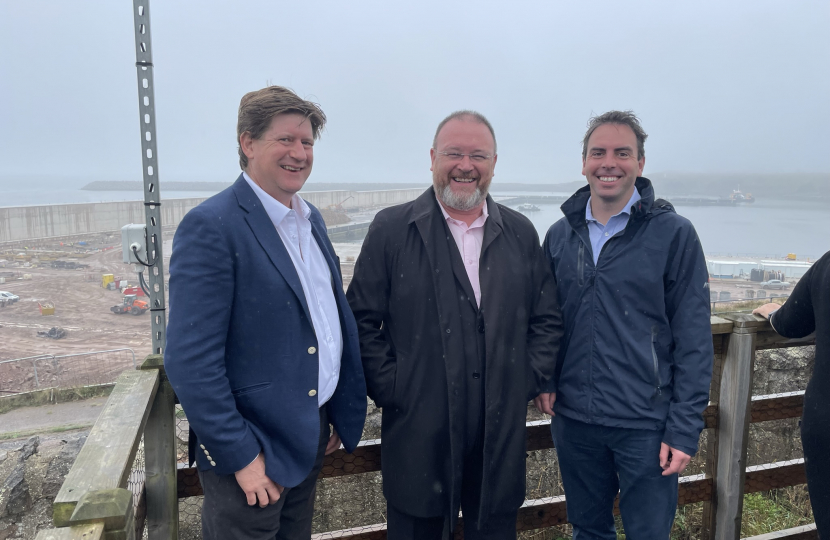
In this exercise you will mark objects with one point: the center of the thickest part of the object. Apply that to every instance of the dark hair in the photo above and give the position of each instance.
(623, 118)
(467, 115)
(257, 109)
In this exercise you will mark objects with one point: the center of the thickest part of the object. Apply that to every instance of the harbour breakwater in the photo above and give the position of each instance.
(65, 220)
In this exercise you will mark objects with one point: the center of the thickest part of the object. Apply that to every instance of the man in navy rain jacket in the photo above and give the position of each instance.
(635, 363)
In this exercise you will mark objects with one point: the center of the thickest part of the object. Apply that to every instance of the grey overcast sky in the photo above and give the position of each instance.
(721, 87)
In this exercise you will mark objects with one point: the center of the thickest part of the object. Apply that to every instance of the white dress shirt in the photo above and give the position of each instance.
(294, 229)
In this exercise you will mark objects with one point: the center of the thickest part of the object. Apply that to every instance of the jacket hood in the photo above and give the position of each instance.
(647, 207)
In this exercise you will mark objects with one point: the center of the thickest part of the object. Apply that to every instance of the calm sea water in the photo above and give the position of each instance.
(763, 229)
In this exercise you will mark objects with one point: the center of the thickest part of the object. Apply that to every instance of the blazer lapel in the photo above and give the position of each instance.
(268, 237)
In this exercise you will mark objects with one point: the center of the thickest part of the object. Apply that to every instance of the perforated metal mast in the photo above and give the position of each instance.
(149, 160)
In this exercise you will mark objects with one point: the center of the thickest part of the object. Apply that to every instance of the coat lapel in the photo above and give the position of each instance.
(269, 238)
(493, 227)
(428, 219)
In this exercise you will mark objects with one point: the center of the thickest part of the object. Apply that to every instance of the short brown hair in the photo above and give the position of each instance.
(623, 118)
(467, 115)
(258, 108)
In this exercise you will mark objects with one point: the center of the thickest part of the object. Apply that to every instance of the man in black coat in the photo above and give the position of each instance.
(459, 327)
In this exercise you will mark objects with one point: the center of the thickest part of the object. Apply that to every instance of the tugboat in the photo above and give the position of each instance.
(741, 198)
(527, 207)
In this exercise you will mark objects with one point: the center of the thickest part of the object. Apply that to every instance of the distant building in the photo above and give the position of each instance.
(730, 269)
(790, 269)
(736, 269)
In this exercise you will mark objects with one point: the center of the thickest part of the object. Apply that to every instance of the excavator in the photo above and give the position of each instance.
(131, 305)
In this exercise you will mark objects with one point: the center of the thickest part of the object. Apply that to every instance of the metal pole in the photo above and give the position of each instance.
(159, 433)
(149, 161)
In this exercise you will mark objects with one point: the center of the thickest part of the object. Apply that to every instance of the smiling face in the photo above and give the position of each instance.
(462, 183)
(280, 161)
(611, 164)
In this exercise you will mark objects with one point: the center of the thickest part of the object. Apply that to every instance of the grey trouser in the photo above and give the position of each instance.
(227, 516)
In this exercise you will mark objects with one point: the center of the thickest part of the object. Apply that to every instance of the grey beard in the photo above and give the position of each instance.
(461, 202)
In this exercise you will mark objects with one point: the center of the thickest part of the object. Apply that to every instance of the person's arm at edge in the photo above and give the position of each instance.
(201, 295)
(795, 318)
(687, 307)
(368, 296)
(547, 397)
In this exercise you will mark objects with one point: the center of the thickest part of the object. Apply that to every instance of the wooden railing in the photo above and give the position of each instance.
(93, 502)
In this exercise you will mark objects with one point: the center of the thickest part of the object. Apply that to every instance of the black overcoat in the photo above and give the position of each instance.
(405, 299)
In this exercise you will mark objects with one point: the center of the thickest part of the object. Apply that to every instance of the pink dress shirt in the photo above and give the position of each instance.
(469, 240)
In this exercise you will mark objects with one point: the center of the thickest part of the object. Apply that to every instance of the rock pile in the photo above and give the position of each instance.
(31, 474)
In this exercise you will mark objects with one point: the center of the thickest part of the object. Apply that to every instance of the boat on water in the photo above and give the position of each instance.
(741, 198)
(527, 207)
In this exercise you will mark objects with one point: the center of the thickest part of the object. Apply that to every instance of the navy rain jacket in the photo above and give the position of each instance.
(637, 350)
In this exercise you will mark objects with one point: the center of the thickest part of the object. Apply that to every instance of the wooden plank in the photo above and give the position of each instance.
(733, 429)
(542, 513)
(770, 339)
(534, 513)
(160, 458)
(107, 457)
(694, 488)
(775, 476)
(763, 408)
(365, 458)
(187, 482)
(807, 532)
(777, 406)
(720, 325)
(538, 435)
(369, 532)
(88, 531)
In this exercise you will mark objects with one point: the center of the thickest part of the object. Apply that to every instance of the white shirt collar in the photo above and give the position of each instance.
(275, 209)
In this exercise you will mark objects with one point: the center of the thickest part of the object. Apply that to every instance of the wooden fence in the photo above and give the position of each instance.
(93, 502)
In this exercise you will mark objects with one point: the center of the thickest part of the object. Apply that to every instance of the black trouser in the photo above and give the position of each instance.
(815, 438)
(502, 526)
(226, 514)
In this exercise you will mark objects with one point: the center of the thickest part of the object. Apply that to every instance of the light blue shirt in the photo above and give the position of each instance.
(599, 233)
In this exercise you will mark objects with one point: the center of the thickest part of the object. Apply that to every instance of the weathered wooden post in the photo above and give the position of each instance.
(160, 458)
(734, 412)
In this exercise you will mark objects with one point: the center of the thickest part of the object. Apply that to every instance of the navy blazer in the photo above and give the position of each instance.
(241, 349)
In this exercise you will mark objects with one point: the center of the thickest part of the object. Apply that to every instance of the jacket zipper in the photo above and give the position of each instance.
(580, 264)
(659, 390)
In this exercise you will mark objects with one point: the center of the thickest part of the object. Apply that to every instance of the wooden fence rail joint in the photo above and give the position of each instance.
(112, 507)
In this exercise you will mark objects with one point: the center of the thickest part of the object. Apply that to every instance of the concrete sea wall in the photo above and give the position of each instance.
(58, 220)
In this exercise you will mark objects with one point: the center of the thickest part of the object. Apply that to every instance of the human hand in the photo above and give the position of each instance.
(256, 484)
(672, 460)
(766, 310)
(334, 442)
(544, 402)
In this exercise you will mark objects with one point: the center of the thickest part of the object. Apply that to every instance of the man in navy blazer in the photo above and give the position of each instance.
(262, 349)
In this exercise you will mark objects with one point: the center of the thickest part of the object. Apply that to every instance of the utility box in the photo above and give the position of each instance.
(134, 236)
(106, 279)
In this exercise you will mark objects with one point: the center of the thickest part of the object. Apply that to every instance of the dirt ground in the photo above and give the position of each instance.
(82, 305)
